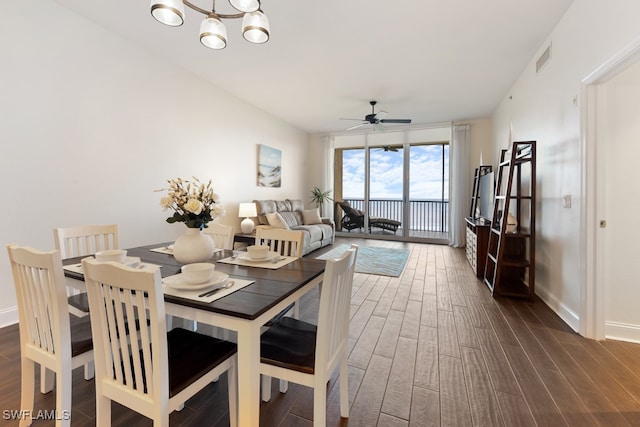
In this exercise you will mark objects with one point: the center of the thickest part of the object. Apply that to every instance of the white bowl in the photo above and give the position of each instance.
(258, 251)
(197, 273)
(117, 255)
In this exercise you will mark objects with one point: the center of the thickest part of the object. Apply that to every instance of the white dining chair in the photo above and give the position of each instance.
(80, 241)
(73, 242)
(47, 334)
(284, 242)
(221, 234)
(294, 350)
(85, 239)
(153, 372)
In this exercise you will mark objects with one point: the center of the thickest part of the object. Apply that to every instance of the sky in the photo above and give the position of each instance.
(386, 173)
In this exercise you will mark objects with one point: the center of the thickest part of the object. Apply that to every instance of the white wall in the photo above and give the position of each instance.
(91, 125)
(622, 204)
(545, 108)
(480, 152)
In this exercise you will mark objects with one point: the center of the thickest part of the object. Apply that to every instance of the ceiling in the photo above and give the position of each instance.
(431, 61)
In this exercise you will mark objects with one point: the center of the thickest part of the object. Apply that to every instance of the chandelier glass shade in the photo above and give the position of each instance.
(245, 5)
(213, 33)
(169, 12)
(255, 27)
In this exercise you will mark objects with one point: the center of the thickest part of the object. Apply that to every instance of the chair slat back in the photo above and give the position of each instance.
(350, 210)
(42, 302)
(85, 239)
(284, 242)
(221, 234)
(333, 314)
(117, 305)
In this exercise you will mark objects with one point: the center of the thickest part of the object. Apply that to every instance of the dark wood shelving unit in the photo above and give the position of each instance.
(510, 263)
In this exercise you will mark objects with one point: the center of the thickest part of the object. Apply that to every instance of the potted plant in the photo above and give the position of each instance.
(319, 197)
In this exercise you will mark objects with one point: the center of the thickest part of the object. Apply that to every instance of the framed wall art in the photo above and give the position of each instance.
(269, 168)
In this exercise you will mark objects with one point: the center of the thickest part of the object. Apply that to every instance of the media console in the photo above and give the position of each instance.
(477, 243)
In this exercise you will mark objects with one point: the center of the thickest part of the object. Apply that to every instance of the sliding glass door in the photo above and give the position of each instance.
(402, 188)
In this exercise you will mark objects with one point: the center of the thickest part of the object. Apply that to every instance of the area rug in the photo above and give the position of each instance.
(374, 260)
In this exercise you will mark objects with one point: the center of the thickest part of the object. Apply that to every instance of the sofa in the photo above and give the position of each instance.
(291, 214)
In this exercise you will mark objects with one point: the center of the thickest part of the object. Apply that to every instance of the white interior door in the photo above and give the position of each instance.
(621, 154)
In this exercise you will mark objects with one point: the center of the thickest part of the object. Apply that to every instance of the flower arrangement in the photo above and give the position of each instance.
(192, 202)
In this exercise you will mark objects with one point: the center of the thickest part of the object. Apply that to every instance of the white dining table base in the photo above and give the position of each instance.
(248, 340)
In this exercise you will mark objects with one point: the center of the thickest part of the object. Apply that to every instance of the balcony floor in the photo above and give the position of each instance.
(414, 235)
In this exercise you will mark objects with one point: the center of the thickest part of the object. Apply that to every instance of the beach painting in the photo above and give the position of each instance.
(269, 166)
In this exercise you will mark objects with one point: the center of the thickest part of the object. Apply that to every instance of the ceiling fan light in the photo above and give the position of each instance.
(245, 5)
(255, 27)
(168, 12)
(213, 33)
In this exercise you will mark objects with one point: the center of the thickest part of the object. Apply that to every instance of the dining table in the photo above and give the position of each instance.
(267, 290)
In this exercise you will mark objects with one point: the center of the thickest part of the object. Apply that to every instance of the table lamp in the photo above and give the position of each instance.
(247, 210)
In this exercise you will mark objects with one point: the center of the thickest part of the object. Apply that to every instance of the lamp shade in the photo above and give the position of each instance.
(168, 12)
(213, 33)
(255, 27)
(247, 209)
(245, 5)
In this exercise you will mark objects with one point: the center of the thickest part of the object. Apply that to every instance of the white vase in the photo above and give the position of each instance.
(193, 246)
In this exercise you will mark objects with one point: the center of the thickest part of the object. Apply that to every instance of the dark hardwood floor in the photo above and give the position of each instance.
(429, 348)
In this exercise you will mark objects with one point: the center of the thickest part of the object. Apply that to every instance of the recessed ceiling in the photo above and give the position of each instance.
(431, 61)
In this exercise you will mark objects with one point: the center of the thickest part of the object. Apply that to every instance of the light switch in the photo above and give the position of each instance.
(566, 200)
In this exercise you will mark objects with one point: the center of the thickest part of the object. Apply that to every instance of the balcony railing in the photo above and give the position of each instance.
(424, 214)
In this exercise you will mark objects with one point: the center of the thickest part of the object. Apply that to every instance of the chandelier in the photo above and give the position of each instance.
(213, 33)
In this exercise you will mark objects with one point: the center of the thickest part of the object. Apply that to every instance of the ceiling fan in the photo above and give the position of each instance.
(376, 119)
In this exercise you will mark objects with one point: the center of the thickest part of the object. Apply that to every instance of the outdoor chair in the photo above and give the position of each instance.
(354, 218)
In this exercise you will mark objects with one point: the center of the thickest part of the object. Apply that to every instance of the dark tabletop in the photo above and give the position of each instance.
(270, 286)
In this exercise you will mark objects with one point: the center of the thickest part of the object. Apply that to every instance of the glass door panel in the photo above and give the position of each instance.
(428, 204)
(386, 189)
(351, 183)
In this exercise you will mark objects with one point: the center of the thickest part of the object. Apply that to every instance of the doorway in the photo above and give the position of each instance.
(610, 109)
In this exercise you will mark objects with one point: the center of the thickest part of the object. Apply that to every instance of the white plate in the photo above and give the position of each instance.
(176, 282)
(245, 257)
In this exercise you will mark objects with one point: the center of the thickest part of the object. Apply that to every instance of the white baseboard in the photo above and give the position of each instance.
(622, 331)
(8, 316)
(566, 314)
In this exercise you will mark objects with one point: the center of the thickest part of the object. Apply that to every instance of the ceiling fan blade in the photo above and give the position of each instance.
(356, 126)
(343, 118)
(395, 121)
(381, 115)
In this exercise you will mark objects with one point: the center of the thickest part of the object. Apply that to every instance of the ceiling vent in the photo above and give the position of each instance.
(544, 58)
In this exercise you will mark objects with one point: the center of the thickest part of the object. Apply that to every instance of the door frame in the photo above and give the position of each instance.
(593, 147)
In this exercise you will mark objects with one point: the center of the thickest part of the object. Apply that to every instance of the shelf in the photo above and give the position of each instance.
(515, 262)
(510, 266)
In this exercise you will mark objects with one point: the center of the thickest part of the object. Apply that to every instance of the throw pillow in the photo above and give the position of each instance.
(276, 220)
(311, 216)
